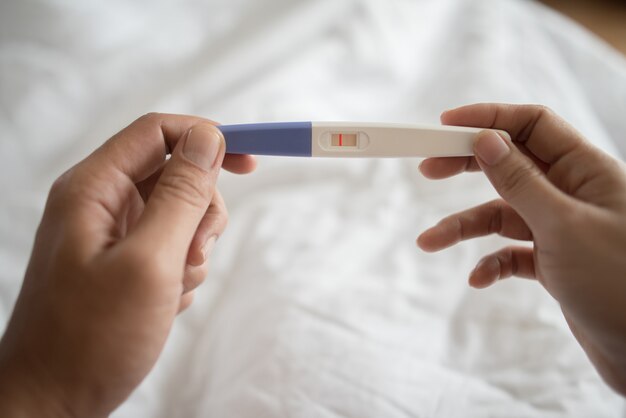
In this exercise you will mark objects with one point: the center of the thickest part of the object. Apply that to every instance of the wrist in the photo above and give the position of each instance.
(23, 393)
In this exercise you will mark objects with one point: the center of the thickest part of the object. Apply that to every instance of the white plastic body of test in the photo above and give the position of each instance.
(394, 140)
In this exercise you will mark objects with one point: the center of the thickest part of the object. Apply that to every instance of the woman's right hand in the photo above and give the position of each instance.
(565, 196)
(125, 239)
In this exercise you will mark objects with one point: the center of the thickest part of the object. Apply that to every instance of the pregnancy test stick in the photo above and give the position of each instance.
(349, 139)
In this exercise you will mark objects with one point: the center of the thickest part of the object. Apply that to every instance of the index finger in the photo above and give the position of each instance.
(546, 135)
(140, 149)
(540, 134)
(444, 167)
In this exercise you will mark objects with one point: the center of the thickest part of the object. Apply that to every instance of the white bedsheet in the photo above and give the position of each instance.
(318, 304)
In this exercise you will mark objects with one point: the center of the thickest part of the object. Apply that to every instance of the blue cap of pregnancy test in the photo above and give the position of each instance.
(282, 138)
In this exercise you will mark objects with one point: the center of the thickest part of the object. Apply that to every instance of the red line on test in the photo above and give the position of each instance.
(340, 140)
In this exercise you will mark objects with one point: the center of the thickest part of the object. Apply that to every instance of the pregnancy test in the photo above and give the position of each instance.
(349, 139)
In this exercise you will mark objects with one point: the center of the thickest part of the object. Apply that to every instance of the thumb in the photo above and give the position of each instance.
(517, 178)
(182, 194)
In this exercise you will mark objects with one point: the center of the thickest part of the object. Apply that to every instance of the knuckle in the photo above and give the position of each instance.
(217, 226)
(508, 263)
(497, 204)
(538, 111)
(149, 117)
(221, 220)
(544, 110)
(63, 193)
(195, 277)
(67, 182)
(58, 186)
(190, 186)
(496, 208)
(546, 114)
(516, 180)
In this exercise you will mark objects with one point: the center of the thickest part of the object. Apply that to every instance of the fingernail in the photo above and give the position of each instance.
(208, 246)
(490, 147)
(203, 145)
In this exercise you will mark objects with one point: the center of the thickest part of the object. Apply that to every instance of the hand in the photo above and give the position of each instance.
(124, 240)
(565, 196)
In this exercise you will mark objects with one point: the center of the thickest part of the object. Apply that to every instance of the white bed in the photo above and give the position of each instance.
(318, 303)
